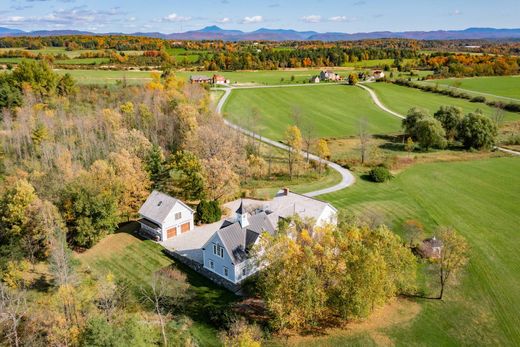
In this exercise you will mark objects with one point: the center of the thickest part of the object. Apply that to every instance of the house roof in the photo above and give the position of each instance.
(238, 240)
(286, 205)
(158, 206)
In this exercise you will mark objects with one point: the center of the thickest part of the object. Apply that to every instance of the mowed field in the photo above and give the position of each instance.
(506, 86)
(480, 200)
(401, 99)
(333, 110)
(264, 77)
(108, 77)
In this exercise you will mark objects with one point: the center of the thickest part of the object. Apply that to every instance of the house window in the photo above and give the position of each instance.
(244, 271)
(226, 271)
(211, 265)
(178, 215)
(218, 250)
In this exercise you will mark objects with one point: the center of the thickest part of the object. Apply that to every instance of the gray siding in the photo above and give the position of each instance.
(219, 263)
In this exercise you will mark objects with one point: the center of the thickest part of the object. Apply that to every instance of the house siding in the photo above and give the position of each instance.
(171, 222)
(219, 263)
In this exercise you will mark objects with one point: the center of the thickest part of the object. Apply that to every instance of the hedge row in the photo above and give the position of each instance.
(511, 106)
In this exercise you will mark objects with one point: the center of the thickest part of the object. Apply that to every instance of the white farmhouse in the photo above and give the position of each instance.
(164, 217)
(227, 252)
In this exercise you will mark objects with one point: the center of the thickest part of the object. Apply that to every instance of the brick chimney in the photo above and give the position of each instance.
(285, 191)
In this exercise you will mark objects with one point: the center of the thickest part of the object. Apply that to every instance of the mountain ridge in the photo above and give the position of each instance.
(266, 34)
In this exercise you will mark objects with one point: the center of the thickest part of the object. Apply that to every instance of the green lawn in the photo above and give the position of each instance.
(506, 86)
(133, 260)
(374, 63)
(334, 110)
(480, 200)
(401, 99)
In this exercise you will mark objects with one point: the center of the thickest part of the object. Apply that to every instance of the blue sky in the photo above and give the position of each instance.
(319, 15)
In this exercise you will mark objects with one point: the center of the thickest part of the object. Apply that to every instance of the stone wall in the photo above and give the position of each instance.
(198, 267)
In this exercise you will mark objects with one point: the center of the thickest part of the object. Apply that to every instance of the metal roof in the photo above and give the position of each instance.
(238, 240)
(158, 205)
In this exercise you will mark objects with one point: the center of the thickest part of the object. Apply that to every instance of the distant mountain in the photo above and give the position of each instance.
(7, 31)
(264, 34)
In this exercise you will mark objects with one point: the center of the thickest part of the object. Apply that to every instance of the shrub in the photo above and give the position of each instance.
(208, 211)
(379, 174)
(478, 99)
(477, 131)
(430, 133)
(512, 107)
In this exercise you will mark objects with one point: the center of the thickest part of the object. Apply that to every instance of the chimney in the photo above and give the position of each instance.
(285, 191)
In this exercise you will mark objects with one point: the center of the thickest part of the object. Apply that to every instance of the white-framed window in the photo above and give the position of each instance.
(211, 265)
(218, 250)
(226, 272)
(178, 215)
(244, 271)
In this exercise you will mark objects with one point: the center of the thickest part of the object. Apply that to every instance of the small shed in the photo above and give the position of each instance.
(431, 248)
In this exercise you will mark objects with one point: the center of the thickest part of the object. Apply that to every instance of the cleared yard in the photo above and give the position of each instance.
(480, 200)
(334, 110)
(401, 99)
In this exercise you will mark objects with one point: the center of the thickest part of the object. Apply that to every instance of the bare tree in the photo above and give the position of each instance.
(364, 139)
(166, 289)
(308, 136)
(13, 309)
(60, 263)
(498, 116)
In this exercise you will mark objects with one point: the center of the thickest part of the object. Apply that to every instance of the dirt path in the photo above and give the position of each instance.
(347, 178)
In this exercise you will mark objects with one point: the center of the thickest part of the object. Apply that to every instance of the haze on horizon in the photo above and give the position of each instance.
(349, 16)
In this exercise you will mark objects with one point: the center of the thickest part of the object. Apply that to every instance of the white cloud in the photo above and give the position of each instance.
(174, 17)
(313, 18)
(342, 19)
(224, 20)
(456, 13)
(338, 19)
(253, 19)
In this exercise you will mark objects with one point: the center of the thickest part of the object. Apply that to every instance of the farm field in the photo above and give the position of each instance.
(334, 110)
(374, 63)
(401, 99)
(479, 199)
(103, 77)
(264, 77)
(261, 77)
(505, 86)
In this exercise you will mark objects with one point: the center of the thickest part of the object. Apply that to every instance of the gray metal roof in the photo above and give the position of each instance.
(157, 206)
(238, 240)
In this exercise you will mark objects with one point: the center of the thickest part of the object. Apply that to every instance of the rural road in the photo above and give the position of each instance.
(347, 178)
(384, 108)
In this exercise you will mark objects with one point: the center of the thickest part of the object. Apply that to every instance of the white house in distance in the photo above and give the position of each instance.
(329, 75)
(378, 74)
(164, 217)
(226, 253)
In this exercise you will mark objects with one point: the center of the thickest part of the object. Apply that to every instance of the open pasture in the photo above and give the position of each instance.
(480, 200)
(503, 86)
(401, 99)
(332, 110)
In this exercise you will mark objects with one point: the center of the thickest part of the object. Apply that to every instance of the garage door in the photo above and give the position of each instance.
(172, 232)
(185, 227)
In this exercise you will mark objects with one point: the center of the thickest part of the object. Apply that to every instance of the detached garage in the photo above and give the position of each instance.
(164, 217)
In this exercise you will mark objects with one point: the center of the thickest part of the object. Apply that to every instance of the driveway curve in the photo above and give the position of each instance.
(347, 178)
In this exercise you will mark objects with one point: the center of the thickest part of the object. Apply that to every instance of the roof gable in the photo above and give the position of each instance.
(158, 206)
